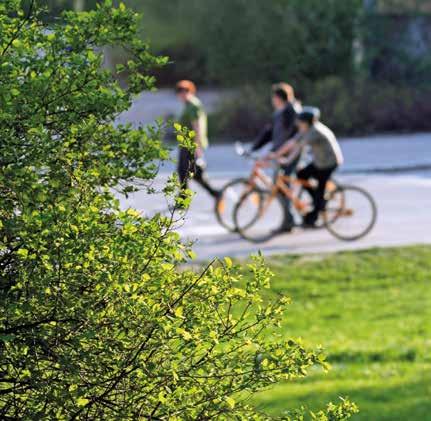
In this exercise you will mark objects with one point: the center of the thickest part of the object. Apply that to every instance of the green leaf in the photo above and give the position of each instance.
(82, 402)
(179, 312)
(23, 253)
(230, 402)
(228, 262)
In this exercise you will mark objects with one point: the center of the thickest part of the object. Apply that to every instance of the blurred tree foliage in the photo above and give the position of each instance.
(247, 41)
(233, 41)
(55, 7)
(397, 41)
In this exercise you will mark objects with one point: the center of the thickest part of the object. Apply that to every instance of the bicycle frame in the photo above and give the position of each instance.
(282, 185)
(261, 189)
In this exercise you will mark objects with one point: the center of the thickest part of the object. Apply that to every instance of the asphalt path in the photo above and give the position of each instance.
(395, 169)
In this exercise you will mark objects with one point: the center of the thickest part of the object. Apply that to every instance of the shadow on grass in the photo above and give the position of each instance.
(378, 398)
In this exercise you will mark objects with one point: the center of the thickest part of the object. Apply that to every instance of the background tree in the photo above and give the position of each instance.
(235, 42)
(99, 319)
(252, 41)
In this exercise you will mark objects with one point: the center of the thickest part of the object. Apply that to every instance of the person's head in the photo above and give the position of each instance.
(282, 93)
(184, 89)
(307, 118)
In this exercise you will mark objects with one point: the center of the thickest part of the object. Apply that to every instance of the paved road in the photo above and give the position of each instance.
(395, 169)
(404, 203)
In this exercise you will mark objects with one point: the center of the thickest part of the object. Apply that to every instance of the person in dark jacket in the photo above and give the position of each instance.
(282, 127)
(283, 124)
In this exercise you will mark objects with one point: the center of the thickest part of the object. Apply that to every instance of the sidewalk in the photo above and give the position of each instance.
(396, 170)
(403, 205)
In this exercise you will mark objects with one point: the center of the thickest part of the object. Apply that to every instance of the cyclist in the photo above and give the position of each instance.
(325, 153)
(282, 127)
(194, 118)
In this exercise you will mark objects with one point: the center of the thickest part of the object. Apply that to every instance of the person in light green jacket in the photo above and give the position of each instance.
(193, 116)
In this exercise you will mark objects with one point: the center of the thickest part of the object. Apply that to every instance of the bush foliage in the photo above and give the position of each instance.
(349, 107)
(99, 319)
(256, 41)
(237, 41)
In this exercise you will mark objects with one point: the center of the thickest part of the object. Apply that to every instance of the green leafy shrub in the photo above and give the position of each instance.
(99, 319)
(364, 107)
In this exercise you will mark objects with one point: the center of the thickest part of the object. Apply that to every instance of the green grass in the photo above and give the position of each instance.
(371, 311)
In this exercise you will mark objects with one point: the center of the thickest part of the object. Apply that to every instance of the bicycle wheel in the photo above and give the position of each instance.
(259, 215)
(226, 202)
(350, 214)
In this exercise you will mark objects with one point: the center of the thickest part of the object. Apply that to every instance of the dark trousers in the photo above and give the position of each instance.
(187, 166)
(318, 194)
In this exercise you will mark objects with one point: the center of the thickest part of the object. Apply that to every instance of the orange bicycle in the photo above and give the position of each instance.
(232, 192)
(349, 215)
(235, 189)
(259, 211)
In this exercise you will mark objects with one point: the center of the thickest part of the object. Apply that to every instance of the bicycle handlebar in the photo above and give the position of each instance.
(242, 151)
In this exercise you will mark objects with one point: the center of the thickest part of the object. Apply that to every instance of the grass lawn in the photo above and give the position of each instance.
(371, 311)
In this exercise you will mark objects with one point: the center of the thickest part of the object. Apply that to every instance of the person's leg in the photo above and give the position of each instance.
(310, 171)
(322, 177)
(200, 176)
(288, 221)
(305, 174)
(184, 167)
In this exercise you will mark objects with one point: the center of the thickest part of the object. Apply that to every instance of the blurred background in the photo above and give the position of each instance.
(365, 63)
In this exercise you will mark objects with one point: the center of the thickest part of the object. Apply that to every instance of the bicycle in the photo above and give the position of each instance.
(259, 214)
(232, 192)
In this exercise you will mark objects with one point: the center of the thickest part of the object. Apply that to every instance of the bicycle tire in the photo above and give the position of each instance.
(345, 212)
(223, 216)
(250, 231)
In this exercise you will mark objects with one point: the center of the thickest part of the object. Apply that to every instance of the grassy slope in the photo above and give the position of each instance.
(372, 313)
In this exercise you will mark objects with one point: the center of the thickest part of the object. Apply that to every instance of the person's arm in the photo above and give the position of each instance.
(199, 151)
(291, 147)
(285, 149)
(263, 138)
